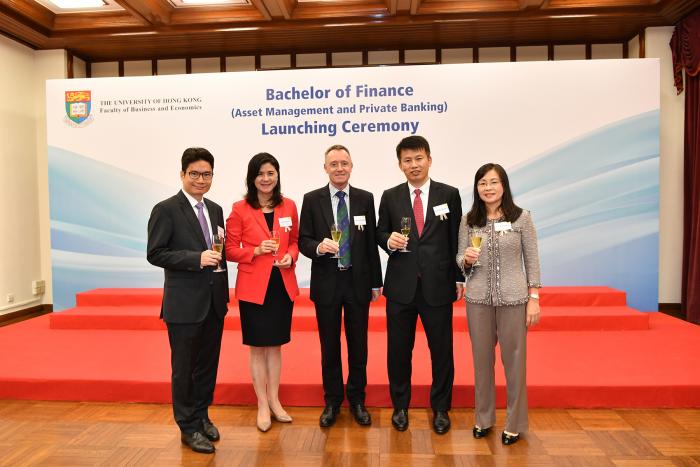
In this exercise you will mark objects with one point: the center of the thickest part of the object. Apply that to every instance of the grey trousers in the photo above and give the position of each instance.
(506, 325)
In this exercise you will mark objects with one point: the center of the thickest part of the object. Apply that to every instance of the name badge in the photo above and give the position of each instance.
(360, 222)
(502, 226)
(286, 223)
(220, 231)
(441, 211)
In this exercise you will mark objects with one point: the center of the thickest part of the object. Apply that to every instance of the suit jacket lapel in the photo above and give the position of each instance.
(214, 223)
(192, 220)
(260, 219)
(407, 208)
(433, 200)
(276, 219)
(355, 210)
(326, 207)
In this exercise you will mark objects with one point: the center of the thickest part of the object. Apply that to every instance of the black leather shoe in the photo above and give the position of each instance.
(197, 442)
(509, 439)
(210, 430)
(359, 412)
(400, 419)
(441, 422)
(328, 416)
(480, 432)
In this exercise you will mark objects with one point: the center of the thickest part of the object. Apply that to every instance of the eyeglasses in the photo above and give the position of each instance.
(488, 184)
(194, 175)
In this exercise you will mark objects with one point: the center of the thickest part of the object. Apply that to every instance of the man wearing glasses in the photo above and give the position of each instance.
(195, 295)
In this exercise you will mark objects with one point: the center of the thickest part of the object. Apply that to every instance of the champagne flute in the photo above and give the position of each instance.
(275, 237)
(217, 244)
(405, 231)
(476, 243)
(336, 233)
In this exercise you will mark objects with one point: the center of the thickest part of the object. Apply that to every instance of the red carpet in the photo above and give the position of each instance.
(591, 351)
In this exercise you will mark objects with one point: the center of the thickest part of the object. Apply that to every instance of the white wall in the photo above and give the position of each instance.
(24, 245)
(48, 64)
(670, 170)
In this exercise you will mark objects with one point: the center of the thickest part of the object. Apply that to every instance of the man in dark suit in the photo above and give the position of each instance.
(195, 296)
(347, 283)
(422, 281)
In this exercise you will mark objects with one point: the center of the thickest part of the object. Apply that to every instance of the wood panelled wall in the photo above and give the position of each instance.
(81, 69)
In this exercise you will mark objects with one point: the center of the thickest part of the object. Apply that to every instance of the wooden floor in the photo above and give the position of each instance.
(111, 434)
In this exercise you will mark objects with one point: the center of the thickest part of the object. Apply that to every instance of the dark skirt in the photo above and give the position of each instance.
(269, 324)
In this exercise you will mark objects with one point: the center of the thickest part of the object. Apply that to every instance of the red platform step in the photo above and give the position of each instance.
(144, 317)
(563, 308)
(549, 296)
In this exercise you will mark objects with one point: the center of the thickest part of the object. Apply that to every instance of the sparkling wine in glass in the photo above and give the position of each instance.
(336, 233)
(217, 244)
(275, 237)
(476, 243)
(405, 231)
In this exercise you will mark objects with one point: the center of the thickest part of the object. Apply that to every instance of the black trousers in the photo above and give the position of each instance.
(401, 336)
(194, 358)
(355, 318)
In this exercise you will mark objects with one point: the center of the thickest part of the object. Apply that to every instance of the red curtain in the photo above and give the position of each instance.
(685, 46)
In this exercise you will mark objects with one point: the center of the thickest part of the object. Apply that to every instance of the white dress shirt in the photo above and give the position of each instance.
(335, 200)
(424, 191)
(193, 202)
(334, 205)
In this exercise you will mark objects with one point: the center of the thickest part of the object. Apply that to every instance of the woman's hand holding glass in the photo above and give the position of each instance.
(471, 256)
(265, 247)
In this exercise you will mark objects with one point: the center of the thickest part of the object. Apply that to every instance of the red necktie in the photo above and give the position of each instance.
(418, 212)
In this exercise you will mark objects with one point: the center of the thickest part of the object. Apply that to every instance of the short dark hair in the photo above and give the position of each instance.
(254, 165)
(477, 215)
(196, 154)
(412, 142)
(336, 147)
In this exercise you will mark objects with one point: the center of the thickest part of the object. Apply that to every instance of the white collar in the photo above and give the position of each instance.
(193, 201)
(334, 190)
(425, 188)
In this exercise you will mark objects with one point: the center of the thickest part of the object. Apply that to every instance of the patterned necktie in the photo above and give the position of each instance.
(203, 223)
(418, 212)
(344, 224)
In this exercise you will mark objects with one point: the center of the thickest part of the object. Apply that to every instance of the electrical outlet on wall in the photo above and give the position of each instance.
(10, 298)
(38, 287)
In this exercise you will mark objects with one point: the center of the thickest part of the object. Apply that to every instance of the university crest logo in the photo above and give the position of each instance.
(78, 106)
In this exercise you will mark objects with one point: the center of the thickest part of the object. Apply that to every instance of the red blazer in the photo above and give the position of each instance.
(246, 229)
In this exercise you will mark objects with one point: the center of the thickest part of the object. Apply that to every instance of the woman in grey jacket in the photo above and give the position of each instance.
(503, 271)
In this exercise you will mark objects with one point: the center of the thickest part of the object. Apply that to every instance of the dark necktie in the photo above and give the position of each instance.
(418, 212)
(344, 224)
(203, 223)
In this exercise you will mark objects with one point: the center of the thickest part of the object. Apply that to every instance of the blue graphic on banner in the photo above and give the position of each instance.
(98, 226)
(595, 202)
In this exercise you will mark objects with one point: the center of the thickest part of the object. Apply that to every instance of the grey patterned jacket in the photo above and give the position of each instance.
(509, 260)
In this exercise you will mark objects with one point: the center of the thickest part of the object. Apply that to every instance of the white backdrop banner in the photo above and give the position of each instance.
(579, 139)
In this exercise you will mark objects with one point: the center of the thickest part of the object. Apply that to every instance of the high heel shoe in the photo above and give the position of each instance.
(263, 424)
(480, 432)
(509, 439)
(282, 418)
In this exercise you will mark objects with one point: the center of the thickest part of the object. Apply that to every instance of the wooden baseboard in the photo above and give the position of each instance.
(672, 309)
(27, 313)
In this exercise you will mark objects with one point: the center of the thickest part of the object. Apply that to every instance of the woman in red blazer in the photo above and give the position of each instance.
(266, 285)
